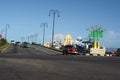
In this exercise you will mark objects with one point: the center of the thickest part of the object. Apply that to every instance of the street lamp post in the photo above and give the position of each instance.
(44, 25)
(53, 12)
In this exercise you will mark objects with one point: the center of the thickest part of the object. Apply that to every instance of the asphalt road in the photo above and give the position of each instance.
(37, 63)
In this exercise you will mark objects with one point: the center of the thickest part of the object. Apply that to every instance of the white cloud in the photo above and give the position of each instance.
(59, 37)
(111, 39)
(111, 35)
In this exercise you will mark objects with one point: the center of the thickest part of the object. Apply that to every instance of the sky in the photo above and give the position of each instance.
(25, 17)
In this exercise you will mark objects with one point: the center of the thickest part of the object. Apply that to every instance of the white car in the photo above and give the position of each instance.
(56, 47)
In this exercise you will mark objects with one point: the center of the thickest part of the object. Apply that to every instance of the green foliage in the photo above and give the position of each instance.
(3, 42)
(33, 43)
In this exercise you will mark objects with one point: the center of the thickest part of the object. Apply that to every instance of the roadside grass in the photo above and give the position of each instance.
(3, 47)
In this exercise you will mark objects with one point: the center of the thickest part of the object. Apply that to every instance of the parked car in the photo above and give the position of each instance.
(82, 50)
(17, 44)
(56, 47)
(69, 49)
(25, 45)
(12, 42)
(118, 52)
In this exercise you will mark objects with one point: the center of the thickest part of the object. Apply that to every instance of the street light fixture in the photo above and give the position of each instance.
(53, 12)
(44, 25)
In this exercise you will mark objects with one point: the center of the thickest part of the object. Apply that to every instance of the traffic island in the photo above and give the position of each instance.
(97, 51)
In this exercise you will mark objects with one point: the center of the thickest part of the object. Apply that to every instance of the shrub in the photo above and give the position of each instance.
(3, 42)
(33, 43)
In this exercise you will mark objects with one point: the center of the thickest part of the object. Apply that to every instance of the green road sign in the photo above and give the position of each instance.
(96, 33)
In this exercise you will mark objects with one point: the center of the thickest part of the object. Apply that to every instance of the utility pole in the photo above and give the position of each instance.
(53, 12)
(22, 39)
(28, 38)
(36, 35)
(44, 25)
(31, 36)
(2, 30)
(6, 28)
